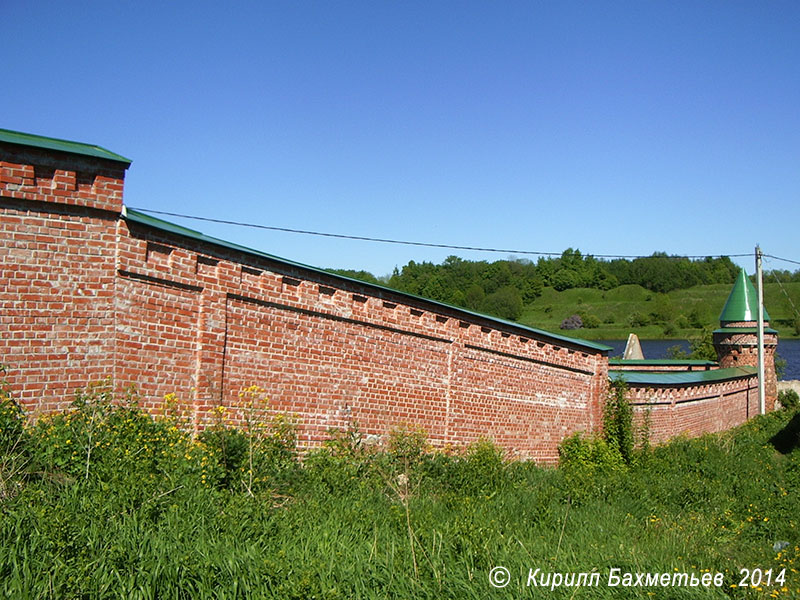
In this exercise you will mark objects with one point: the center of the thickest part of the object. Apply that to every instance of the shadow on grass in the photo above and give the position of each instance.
(788, 438)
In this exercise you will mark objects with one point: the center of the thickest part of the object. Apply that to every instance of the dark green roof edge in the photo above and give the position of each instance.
(150, 221)
(640, 378)
(660, 362)
(39, 141)
(744, 330)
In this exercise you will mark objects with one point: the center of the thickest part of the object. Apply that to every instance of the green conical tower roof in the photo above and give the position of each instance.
(742, 304)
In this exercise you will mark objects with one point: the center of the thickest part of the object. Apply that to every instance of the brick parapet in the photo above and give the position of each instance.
(38, 175)
(694, 409)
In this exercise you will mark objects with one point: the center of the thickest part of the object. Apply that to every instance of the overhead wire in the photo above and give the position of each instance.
(794, 262)
(783, 289)
(410, 243)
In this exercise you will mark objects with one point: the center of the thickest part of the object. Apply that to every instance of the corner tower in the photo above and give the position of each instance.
(736, 340)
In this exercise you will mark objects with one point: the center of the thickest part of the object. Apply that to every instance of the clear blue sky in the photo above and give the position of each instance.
(612, 127)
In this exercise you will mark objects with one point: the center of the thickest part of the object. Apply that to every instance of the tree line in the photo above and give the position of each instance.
(502, 288)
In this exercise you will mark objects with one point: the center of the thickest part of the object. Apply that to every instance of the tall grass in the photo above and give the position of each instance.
(105, 501)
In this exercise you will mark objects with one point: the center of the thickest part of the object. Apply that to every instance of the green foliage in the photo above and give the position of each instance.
(789, 400)
(637, 319)
(589, 320)
(12, 418)
(589, 456)
(14, 444)
(702, 345)
(780, 366)
(406, 447)
(156, 523)
(356, 274)
(505, 303)
(618, 429)
(500, 288)
(230, 447)
(479, 470)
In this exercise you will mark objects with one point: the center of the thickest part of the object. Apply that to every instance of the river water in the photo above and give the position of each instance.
(789, 350)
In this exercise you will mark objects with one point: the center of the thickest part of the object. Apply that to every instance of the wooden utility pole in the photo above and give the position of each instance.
(759, 280)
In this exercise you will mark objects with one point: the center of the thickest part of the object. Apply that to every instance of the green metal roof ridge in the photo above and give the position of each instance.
(682, 377)
(742, 302)
(145, 219)
(743, 330)
(659, 361)
(39, 141)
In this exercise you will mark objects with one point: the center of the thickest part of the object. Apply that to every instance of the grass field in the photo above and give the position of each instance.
(107, 502)
(613, 310)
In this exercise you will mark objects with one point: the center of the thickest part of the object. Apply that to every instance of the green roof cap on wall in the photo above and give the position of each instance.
(678, 378)
(742, 304)
(38, 141)
(136, 216)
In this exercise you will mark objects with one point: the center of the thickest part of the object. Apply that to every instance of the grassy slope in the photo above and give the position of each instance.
(552, 307)
(153, 527)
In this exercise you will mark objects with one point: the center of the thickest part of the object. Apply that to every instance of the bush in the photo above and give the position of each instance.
(406, 446)
(13, 443)
(505, 303)
(636, 319)
(789, 399)
(589, 455)
(12, 418)
(573, 322)
(230, 447)
(481, 468)
(618, 429)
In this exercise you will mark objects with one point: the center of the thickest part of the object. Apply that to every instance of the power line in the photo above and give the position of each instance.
(794, 262)
(409, 243)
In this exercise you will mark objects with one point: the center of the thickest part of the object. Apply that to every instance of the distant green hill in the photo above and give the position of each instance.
(656, 297)
(680, 314)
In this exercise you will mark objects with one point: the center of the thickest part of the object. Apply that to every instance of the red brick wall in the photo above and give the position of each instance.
(204, 321)
(87, 294)
(695, 409)
(57, 224)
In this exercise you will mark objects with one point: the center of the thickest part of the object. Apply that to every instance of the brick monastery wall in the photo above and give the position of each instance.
(333, 352)
(88, 294)
(693, 410)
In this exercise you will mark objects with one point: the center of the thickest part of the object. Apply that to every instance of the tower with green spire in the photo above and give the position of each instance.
(736, 340)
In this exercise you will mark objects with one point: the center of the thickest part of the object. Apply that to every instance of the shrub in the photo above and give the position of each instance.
(258, 456)
(481, 468)
(590, 321)
(789, 399)
(636, 319)
(230, 447)
(406, 446)
(618, 429)
(589, 455)
(682, 322)
(505, 303)
(573, 322)
(589, 466)
(13, 443)
(12, 418)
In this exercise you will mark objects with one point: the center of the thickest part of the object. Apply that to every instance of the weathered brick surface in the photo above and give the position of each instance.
(741, 349)
(695, 409)
(87, 294)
